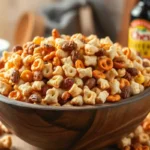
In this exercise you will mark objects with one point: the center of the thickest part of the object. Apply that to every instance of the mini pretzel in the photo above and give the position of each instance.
(124, 82)
(55, 33)
(49, 56)
(56, 61)
(16, 94)
(79, 64)
(105, 64)
(113, 98)
(98, 74)
(127, 52)
(37, 65)
(27, 76)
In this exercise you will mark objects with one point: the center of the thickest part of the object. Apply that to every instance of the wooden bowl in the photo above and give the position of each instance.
(74, 128)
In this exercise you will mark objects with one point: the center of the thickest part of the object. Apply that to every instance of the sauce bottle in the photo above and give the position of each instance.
(139, 30)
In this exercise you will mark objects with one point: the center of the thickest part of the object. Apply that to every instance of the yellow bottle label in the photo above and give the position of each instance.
(139, 37)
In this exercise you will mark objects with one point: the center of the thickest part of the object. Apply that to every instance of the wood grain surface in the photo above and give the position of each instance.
(67, 128)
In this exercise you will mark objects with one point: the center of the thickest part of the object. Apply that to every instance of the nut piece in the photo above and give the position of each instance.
(90, 83)
(17, 48)
(44, 90)
(35, 98)
(126, 92)
(67, 83)
(15, 76)
(101, 52)
(132, 71)
(69, 46)
(75, 55)
(37, 76)
(128, 76)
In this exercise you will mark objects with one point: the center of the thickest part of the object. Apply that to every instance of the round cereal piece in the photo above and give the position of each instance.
(124, 82)
(16, 94)
(27, 76)
(113, 98)
(98, 74)
(127, 52)
(37, 40)
(37, 65)
(139, 79)
(79, 64)
(105, 64)
(28, 60)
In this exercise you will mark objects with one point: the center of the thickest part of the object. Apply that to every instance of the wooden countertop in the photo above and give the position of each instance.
(19, 144)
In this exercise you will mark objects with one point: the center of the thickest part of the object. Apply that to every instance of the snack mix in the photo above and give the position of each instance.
(75, 70)
(139, 139)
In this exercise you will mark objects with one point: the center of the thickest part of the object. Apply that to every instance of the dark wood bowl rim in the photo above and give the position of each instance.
(135, 98)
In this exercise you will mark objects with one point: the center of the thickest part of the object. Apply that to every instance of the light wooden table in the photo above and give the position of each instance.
(19, 144)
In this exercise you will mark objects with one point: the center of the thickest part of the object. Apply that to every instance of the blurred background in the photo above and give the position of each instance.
(117, 13)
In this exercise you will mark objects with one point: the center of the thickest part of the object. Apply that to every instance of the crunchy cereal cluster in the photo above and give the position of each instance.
(139, 139)
(72, 70)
